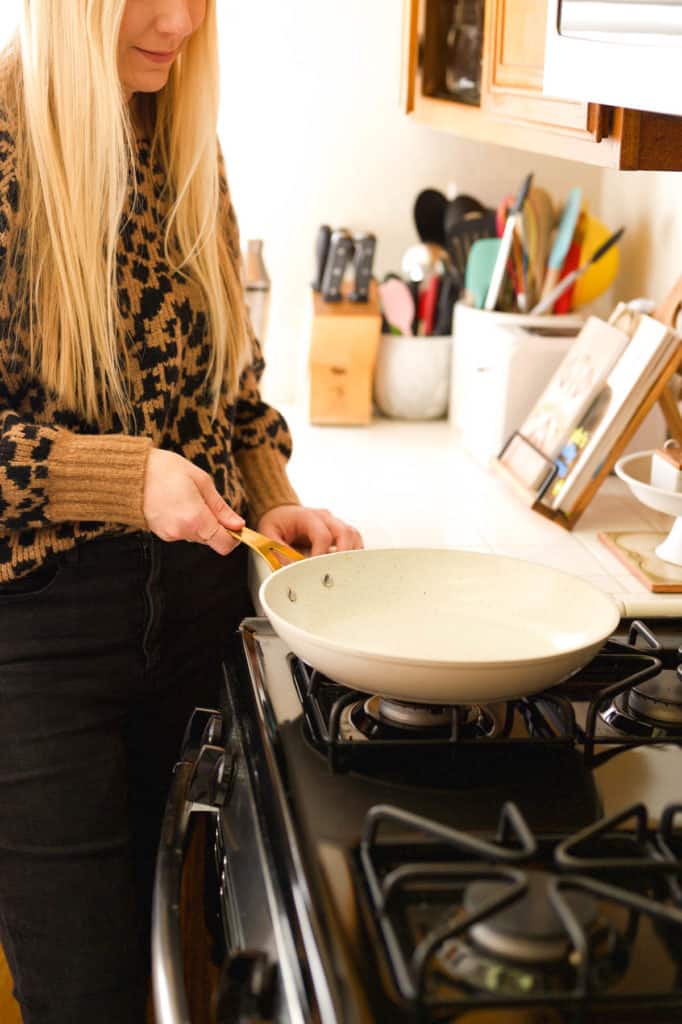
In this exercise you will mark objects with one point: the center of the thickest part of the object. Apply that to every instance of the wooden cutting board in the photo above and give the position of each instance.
(637, 551)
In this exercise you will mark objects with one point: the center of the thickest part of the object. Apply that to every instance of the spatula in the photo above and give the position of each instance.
(398, 305)
(459, 237)
(479, 269)
(562, 240)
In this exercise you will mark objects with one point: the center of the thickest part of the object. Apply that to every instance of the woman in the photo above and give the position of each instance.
(130, 418)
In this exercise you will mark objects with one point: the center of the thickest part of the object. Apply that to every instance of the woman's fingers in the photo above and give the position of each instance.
(182, 503)
(344, 536)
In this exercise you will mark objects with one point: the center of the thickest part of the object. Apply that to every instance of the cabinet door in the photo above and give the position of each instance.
(514, 55)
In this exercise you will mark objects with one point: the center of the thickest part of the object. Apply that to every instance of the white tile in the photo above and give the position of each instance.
(590, 541)
(609, 584)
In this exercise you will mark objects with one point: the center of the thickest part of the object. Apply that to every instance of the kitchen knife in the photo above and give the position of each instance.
(513, 218)
(340, 253)
(548, 301)
(321, 252)
(363, 263)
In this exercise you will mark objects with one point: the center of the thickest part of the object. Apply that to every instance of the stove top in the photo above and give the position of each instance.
(519, 861)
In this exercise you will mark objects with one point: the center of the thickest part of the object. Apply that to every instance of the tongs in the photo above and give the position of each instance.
(274, 553)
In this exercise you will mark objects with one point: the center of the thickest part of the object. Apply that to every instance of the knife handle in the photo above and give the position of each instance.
(340, 252)
(321, 253)
(363, 263)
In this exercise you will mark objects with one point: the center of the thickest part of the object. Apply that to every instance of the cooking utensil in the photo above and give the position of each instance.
(340, 253)
(601, 273)
(458, 208)
(459, 237)
(513, 219)
(437, 626)
(545, 304)
(539, 212)
(564, 304)
(398, 305)
(450, 289)
(420, 262)
(322, 243)
(431, 303)
(363, 264)
(429, 216)
(274, 552)
(480, 267)
(562, 240)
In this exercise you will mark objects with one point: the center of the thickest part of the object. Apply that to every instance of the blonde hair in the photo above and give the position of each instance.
(75, 150)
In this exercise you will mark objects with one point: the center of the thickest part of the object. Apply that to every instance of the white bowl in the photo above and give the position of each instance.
(412, 377)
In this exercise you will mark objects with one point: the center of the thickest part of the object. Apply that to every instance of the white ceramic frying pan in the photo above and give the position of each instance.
(437, 626)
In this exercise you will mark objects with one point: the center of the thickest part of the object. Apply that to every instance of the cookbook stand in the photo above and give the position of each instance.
(660, 392)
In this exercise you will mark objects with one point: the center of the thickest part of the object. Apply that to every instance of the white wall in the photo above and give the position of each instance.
(313, 133)
(650, 204)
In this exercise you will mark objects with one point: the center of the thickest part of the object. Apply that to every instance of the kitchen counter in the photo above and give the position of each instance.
(409, 484)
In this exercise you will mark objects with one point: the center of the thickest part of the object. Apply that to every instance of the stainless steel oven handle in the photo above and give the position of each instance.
(170, 997)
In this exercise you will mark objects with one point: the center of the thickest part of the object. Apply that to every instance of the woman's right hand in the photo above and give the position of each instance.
(182, 503)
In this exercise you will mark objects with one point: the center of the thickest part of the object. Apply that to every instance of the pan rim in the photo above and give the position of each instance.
(595, 640)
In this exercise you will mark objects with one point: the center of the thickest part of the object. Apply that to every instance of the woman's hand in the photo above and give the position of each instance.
(181, 503)
(313, 528)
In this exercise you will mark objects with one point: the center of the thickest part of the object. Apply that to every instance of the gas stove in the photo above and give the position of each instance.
(381, 861)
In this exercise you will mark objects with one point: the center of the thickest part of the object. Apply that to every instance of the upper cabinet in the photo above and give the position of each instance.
(476, 67)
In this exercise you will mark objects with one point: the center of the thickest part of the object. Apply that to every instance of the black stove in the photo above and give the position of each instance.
(518, 862)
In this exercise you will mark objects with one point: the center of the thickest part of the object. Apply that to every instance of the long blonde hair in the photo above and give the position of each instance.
(74, 151)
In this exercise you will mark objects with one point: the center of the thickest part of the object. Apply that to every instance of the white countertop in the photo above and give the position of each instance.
(410, 484)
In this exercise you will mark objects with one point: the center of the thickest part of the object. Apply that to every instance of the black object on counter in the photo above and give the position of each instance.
(363, 264)
(340, 253)
(324, 236)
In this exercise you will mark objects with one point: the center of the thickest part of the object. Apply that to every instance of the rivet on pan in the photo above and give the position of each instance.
(327, 580)
(291, 594)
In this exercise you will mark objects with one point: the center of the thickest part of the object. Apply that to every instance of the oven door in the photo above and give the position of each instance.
(250, 982)
(625, 53)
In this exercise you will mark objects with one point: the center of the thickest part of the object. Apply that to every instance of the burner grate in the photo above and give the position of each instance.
(441, 970)
(546, 719)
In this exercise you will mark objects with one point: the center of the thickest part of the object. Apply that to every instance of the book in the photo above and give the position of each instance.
(580, 377)
(591, 441)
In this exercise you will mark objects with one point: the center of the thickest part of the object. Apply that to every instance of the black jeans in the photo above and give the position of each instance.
(104, 652)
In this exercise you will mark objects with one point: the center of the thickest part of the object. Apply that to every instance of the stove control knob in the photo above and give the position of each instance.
(204, 723)
(212, 778)
(246, 989)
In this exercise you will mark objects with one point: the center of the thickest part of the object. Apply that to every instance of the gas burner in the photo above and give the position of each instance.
(652, 708)
(529, 930)
(525, 949)
(379, 718)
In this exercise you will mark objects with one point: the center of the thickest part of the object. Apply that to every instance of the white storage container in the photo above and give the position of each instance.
(412, 377)
(501, 363)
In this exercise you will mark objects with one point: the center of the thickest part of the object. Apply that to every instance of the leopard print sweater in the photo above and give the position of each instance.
(64, 480)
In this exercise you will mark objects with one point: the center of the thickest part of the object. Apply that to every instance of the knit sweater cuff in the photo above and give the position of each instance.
(263, 471)
(97, 478)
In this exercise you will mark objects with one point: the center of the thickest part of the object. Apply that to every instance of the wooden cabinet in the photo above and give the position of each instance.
(509, 107)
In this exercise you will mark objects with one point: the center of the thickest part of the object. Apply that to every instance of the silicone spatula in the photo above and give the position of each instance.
(479, 270)
(562, 240)
(397, 304)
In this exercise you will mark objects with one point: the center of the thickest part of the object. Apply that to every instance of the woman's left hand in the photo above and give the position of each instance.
(315, 529)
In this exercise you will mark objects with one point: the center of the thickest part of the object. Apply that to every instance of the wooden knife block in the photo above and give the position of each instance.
(344, 340)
